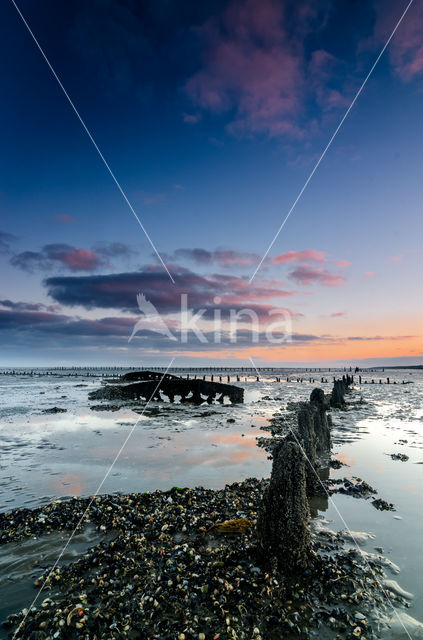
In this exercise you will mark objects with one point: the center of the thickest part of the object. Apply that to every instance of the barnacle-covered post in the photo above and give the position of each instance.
(306, 436)
(340, 388)
(321, 424)
(337, 396)
(282, 525)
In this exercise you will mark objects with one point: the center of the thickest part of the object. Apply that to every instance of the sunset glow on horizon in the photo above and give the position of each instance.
(211, 120)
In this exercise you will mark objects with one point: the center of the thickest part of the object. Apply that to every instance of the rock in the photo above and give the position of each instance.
(399, 456)
(105, 407)
(382, 505)
(55, 410)
(282, 525)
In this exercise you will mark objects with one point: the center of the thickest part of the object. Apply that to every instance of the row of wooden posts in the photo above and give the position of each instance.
(283, 529)
(237, 378)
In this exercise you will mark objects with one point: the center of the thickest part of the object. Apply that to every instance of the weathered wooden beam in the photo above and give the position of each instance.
(282, 524)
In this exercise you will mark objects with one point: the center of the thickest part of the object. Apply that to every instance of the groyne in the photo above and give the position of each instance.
(283, 523)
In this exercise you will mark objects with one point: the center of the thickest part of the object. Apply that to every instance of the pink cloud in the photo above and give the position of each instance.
(73, 258)
(232, 258)
(223, 257)
(63, 217)
(343, 263)
(304, 274)
(257, 68)
(399, 257)
(367, 275)
(80, 260)
(243, 291)
(58, 254)
(251, 68)
(338, 314)
(322, 69)
(293, 256)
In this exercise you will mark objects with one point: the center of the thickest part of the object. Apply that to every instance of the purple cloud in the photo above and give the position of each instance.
(29, 306)
(231, 258)
(57, 254)
(118, 291)
(251, 69)
(305, 274)
(71, 258)
(406, 48)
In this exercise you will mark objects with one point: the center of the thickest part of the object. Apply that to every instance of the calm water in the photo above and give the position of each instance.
(45, 456)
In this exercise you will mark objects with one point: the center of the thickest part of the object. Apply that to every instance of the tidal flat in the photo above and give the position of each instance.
(64, 455)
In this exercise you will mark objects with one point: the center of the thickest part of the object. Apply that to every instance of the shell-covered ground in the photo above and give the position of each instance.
(166, 576)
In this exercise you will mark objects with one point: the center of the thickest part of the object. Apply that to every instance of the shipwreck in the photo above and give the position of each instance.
(153, 385)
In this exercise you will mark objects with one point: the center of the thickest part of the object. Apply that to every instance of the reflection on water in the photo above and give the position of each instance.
(318, 504)
(68, 453)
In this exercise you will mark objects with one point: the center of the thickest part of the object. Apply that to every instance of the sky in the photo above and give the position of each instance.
(211, 117)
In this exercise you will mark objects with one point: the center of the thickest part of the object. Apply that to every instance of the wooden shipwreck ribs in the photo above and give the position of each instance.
(283, 522)
(152, 384)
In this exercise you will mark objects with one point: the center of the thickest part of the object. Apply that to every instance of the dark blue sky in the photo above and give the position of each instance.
(211, 116)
